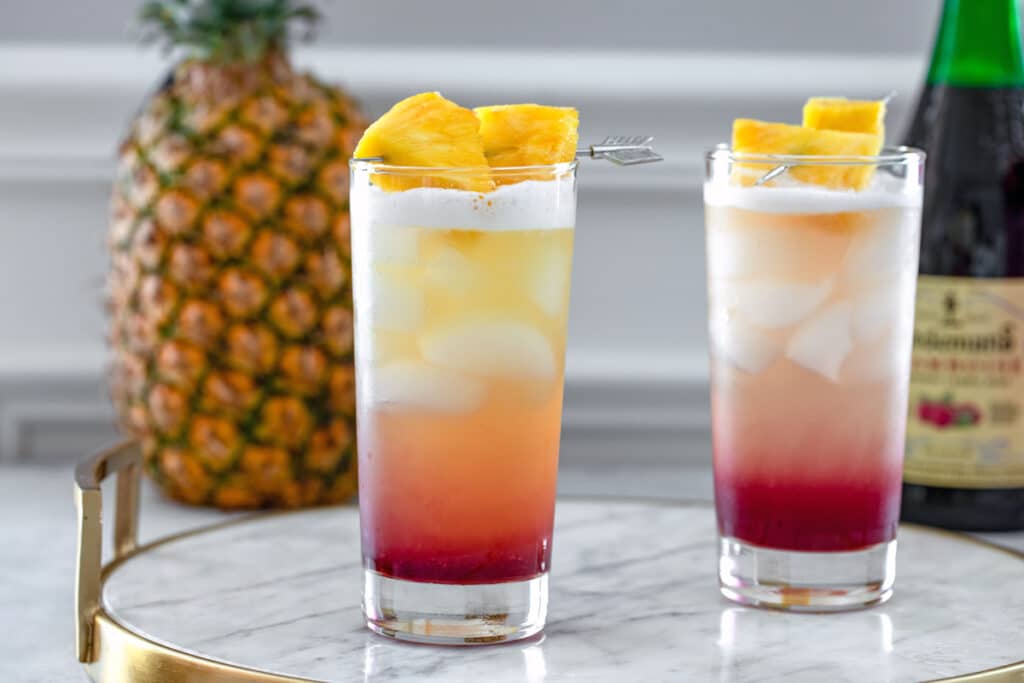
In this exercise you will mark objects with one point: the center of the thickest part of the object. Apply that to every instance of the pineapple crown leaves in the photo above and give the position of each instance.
(226, 31)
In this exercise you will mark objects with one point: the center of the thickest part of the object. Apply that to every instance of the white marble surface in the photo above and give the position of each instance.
(633, 597)
(37, 540)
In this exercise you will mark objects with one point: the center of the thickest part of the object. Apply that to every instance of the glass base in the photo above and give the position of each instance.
(447, 614)
(806, 581)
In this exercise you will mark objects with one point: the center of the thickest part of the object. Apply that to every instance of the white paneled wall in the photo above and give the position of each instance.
(750, 26)
(637, 340)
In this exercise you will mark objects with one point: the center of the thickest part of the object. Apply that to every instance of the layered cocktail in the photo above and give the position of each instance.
(812, 261)
(461, 279)
(460, 353)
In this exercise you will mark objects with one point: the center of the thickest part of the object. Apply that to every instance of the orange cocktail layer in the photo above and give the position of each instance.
(465, 498)
(460, 358)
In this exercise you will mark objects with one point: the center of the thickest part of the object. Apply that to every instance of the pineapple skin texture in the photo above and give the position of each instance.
(229, 294)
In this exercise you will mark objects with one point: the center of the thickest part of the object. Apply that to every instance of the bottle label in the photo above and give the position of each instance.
(966, 422)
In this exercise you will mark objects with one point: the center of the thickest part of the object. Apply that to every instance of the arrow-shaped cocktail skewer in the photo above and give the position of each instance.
(622, 150)
(619, 149)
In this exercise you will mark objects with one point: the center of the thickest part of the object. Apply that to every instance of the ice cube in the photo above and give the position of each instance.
(772, 251)
(417, 385)
(875, 312)
(548, 281)
(394, 244)
(882, 250)
(732, 253)
(742, 344)
(491, 348)
(376, 346)
(822, 343)
(772, 304)
(447, 267)
(394, 303)
(871, 363)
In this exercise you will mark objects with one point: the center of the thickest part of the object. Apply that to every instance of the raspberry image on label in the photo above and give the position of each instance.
(946, 413)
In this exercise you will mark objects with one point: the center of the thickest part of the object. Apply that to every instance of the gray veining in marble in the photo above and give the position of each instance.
(633, 598)
(37, 544)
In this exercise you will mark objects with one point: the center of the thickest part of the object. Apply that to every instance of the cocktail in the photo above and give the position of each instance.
(812, 261)
(462, 251)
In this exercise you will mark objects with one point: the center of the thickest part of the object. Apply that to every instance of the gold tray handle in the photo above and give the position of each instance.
(125, 460)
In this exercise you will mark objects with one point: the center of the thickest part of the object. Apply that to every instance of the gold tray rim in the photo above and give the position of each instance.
(121, 653)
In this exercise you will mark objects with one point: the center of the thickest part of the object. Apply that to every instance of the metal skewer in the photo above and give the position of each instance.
(772, 174)
(622, 150)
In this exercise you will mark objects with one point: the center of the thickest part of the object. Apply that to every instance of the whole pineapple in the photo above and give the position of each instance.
(229, 293)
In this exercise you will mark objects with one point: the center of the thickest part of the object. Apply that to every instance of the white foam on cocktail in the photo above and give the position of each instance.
(529, 205)
(800, 198)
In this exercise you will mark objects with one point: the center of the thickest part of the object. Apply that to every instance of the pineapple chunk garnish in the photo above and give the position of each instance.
(758, 137)
(426, 130)
(528, 134)
(850, 116)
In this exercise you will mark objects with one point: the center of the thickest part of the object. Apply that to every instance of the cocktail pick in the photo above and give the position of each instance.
(623, 150)
(779, 170)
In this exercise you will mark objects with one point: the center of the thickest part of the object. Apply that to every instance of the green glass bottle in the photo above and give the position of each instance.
(964, 465)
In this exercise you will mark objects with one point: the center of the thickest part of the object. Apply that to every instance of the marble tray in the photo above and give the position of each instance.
(633, 598)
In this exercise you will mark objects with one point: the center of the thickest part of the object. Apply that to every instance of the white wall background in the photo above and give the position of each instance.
(751, 26)
(681, 70)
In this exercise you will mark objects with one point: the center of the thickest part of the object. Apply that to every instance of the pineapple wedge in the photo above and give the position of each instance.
(527, 135)
(851, 116)
(758, 137)
(427, 130)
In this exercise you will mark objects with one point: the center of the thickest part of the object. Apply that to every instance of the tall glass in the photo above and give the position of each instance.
(461, 302)
(811, 304)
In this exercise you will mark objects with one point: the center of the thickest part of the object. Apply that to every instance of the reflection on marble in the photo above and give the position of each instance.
(633, 598)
